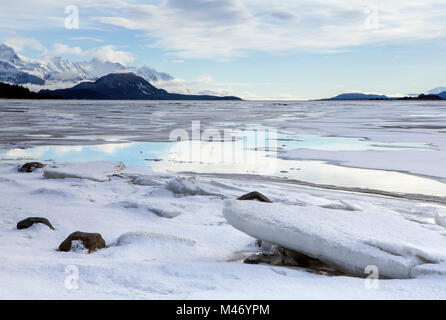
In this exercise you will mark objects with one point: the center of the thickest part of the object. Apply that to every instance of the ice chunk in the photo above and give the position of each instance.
(96, 171)
(162, 208)
(144, 181)
(341, 205)
(347, 240)
(190, 187)
(440, 220)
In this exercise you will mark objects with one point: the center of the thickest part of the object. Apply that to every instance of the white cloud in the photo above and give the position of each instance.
(253, 96)
(87, 38)
(221, 29)
(18, 44)
(217, 92)
(111, 54)
(201, 86)
(178, 85)
(60, 48)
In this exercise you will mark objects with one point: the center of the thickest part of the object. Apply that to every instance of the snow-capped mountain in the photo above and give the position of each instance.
(437, 90)
(46, 70)
(8, 54)
(151, 74)
(10, 74)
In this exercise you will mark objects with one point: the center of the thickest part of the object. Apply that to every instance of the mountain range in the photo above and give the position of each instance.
(123, 86)
(361, 96)
(50, 72)
(16, 69)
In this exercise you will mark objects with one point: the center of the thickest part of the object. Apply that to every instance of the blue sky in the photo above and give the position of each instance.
(256, 49)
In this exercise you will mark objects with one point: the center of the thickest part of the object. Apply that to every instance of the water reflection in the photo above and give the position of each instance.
(239, 157)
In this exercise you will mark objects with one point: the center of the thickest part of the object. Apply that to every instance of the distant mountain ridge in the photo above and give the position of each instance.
(440, 91)
(362, 96)
(437, 91)
(358, 96)
(124, 86)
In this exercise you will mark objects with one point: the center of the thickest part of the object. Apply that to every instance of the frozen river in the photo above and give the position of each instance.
(381, 147)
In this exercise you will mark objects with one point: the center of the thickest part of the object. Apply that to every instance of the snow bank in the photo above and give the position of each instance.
(152, 238)
(195, 255)
(347, 240)
(156, 246)
(96, 171)
(160, 208)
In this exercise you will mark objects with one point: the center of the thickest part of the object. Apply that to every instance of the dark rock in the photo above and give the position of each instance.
(272, 259)
(28, 222)
(255, 196)
(282, 257)
(31, 166)
(91, 241)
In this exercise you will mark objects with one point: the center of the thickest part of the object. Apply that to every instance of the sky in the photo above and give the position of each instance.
(255, 49)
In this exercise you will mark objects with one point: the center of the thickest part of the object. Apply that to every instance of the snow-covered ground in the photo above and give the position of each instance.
(183, 236)
(167, 238)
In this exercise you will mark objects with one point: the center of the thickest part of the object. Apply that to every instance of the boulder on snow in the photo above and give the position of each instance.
(90, 241)
(255, 196)
(31, 166)
(28, 222)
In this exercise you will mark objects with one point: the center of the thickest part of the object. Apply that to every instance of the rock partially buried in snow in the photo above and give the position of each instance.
(96, 171)
(255, 196)
(90, 241)
(289, 258)
(348, 241)
(31, 167)
(277, 256)
(164, 210)
(28, 222)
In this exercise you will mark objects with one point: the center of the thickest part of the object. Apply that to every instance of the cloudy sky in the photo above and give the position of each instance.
(259, 49)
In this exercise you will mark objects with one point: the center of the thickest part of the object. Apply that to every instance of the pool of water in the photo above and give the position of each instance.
(245, 155)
